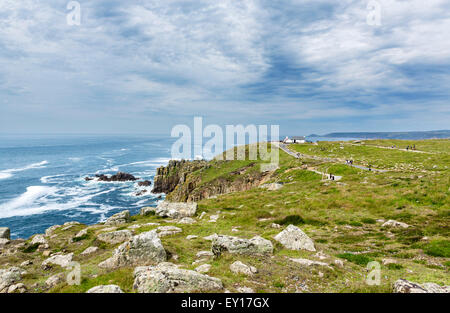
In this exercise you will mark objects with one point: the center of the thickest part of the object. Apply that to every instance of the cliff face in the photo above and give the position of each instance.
(181, 182)
(175, 173)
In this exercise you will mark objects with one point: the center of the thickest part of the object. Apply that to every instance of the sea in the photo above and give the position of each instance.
(42, 178)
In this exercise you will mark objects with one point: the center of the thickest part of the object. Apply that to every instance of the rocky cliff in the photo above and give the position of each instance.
(184, 181)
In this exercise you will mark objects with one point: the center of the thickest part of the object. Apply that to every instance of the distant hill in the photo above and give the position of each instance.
(434, 134)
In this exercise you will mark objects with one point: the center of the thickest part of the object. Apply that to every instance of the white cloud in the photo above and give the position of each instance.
(229, 58)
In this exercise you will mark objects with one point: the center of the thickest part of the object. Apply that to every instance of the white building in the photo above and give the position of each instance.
(295, 139)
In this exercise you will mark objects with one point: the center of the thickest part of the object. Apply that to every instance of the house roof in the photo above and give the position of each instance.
(298, 138)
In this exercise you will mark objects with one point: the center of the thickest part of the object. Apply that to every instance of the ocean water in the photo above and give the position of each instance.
(42, 178)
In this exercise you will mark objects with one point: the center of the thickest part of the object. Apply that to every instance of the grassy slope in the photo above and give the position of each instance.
(339, 216)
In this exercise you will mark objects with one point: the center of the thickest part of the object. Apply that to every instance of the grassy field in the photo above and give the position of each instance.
(344, 218)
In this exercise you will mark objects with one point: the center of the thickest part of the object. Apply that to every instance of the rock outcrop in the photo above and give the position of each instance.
(9, 278)
(404, 286)
(256, 245)
(168, 278)
(119, 177)
(115, 236)
(145, 183)
(180, 184)
(294, 238)
(62, 260)
(176, 210)
(5, 233)
(169, 177)
(105, 289)
(142, 249)
(119, 218)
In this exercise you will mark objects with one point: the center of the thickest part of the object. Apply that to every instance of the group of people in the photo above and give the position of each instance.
(331, 176)
(349, 162)
(410, 147)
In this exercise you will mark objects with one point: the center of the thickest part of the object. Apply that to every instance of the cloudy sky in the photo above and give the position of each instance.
(311, 66)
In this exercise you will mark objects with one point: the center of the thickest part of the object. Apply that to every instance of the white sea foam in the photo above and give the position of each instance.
(39, 199)
(8, 173)
(52, 179)
(23, 204)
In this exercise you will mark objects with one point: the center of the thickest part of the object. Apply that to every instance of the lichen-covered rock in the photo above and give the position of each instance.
(5, 233)
(119, 218)
(9, 277)
(148, 211)
(240, 268)
(168, 278)
(186, 220)
(294, 238)
(115, 236)
(404, 286)
(89, 250)
(176, 209)
(393, 223)
(204, 268)
(54, 280)
(49, 231)
(82, 233)
(62, 260)
(256, 245)
(168, 230)
(306, 262)
(142, 249)
(39, 239)
(17, 288)
(105, 289)
(272, 186)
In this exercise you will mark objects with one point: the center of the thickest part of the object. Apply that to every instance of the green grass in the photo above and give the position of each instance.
(359, 259)
(340, 217)
(438, 248)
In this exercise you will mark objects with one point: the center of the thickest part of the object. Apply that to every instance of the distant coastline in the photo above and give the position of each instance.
(413, 135)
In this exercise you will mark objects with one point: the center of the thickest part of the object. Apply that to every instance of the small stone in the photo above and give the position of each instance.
(105, 289)
(245, 290)
(54, 280)
(306, 262)
(276, 226)
(204, 254)
(393, 223)
(168, 230)
(81, 233)
(240, 268)
(204, 268)
(26, 263)
(388, 261)
(89, 250)
(339, 263)
(186, 220)
(213, 218)
(190, 237)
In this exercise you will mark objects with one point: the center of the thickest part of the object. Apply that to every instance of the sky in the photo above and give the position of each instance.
(310, 66)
